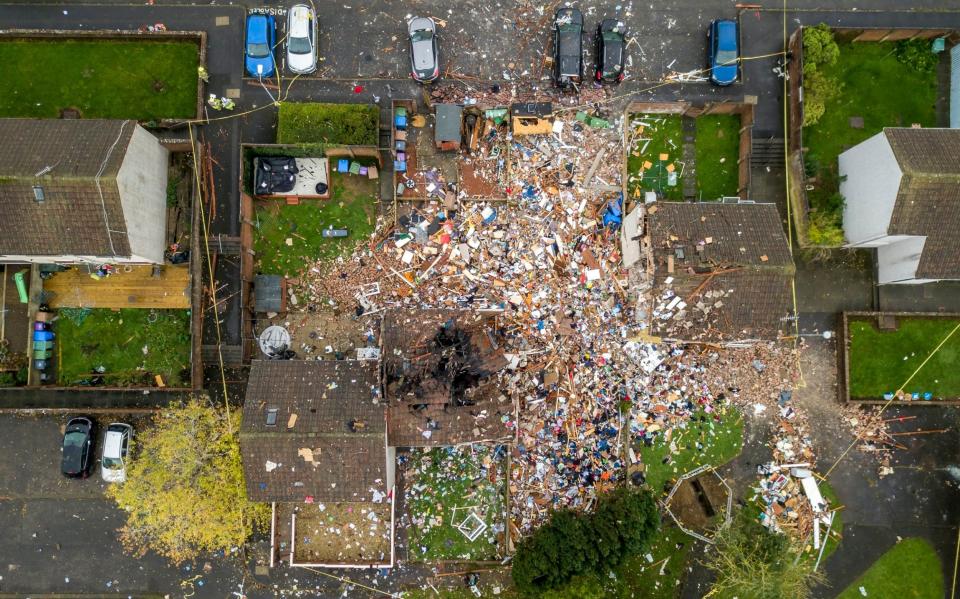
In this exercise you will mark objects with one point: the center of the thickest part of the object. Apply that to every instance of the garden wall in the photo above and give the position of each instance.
(843, 357)
(199, 37)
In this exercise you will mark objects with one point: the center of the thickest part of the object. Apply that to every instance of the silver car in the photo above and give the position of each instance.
(424, 50)
(116, 445)
(301, 40)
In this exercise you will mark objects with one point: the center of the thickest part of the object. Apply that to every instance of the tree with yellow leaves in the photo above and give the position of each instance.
(185, 492)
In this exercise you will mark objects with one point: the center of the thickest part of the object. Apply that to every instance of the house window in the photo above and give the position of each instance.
(272, 416)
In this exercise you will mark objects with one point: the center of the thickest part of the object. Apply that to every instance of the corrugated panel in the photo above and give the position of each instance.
(955, 87)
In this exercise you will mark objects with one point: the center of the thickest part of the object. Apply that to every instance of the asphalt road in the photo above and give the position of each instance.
(60, 534)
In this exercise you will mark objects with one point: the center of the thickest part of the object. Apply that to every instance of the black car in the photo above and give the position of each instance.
(77, 448)
(611, 49)
(568, 47)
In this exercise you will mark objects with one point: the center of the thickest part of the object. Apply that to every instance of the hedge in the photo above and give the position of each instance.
(348, 124)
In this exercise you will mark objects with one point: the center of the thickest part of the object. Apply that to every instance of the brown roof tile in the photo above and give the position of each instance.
(346, 463)
(731, 264)
(928, 200)
(81, 214)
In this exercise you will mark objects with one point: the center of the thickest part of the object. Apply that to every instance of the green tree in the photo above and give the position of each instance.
(752, 562)
(185, 493)
(819, 48)
(572, 545)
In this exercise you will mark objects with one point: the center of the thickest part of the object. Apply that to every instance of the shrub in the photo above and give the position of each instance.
(824, 229)
(819, 48)
(348, 124)
(917, 54)
(572, 544)
(818, 89)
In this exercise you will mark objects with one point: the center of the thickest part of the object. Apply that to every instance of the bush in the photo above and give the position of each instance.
(572, 544)
(819, 48)
(917, 54)
(824, 229)
(818, 89)
(348, 124)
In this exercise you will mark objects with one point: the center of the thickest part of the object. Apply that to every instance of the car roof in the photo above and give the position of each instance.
(111, 444)
(257, 29)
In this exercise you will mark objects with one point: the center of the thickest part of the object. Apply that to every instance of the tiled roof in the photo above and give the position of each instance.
(75, 162)
(928, 200)
(731, 265)
(727, 234)
(328, 441)
(439, 370)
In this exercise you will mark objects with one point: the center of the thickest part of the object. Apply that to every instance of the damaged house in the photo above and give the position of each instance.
(722, 272)
(438, 379)
(313, 442)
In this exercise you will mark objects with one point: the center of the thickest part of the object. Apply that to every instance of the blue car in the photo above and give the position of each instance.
(724, 51)
(258, 52)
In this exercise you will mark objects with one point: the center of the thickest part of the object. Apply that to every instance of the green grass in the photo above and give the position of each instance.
(351, 205)
(116, 340)
(143, 80)
(718, 148)
(881, 361)
(662, 134)
(910, 570)
(441, 480)
(349, 124)
(875, 86)
(719, 442)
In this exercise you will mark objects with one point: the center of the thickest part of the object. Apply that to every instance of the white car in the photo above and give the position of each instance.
(301, 40)
(116, 444)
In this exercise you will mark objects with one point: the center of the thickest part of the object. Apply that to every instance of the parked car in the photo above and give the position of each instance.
(116, 445)
(77, 448)
(611, 50)
(424, 49)
(258, 51)
(301, 40)
(568, 47)
(724, 51)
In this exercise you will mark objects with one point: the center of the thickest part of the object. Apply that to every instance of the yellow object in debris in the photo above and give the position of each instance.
(419, 121)
(664, 156)
(671, 168)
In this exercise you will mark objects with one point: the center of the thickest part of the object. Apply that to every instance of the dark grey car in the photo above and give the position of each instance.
(568, 48)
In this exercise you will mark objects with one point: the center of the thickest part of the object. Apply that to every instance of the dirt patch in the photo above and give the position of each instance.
(698, 501)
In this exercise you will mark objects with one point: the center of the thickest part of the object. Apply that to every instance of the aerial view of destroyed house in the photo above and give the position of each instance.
(450, 299)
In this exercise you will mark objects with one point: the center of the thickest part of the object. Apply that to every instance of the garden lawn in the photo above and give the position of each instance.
(705, 440)
(108, 79)
(440, 483)
(654, 135)
(133, 345)
(352, 205)
(881, 361)
(876, 87)
(910, 570)
(349, 124)
(718, 148)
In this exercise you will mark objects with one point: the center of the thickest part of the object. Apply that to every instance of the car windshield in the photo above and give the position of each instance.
(612, 36)
(422, 35)
(299, 45)
(74, 439)
(258, 50)
(112, 463)
(726, 57)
